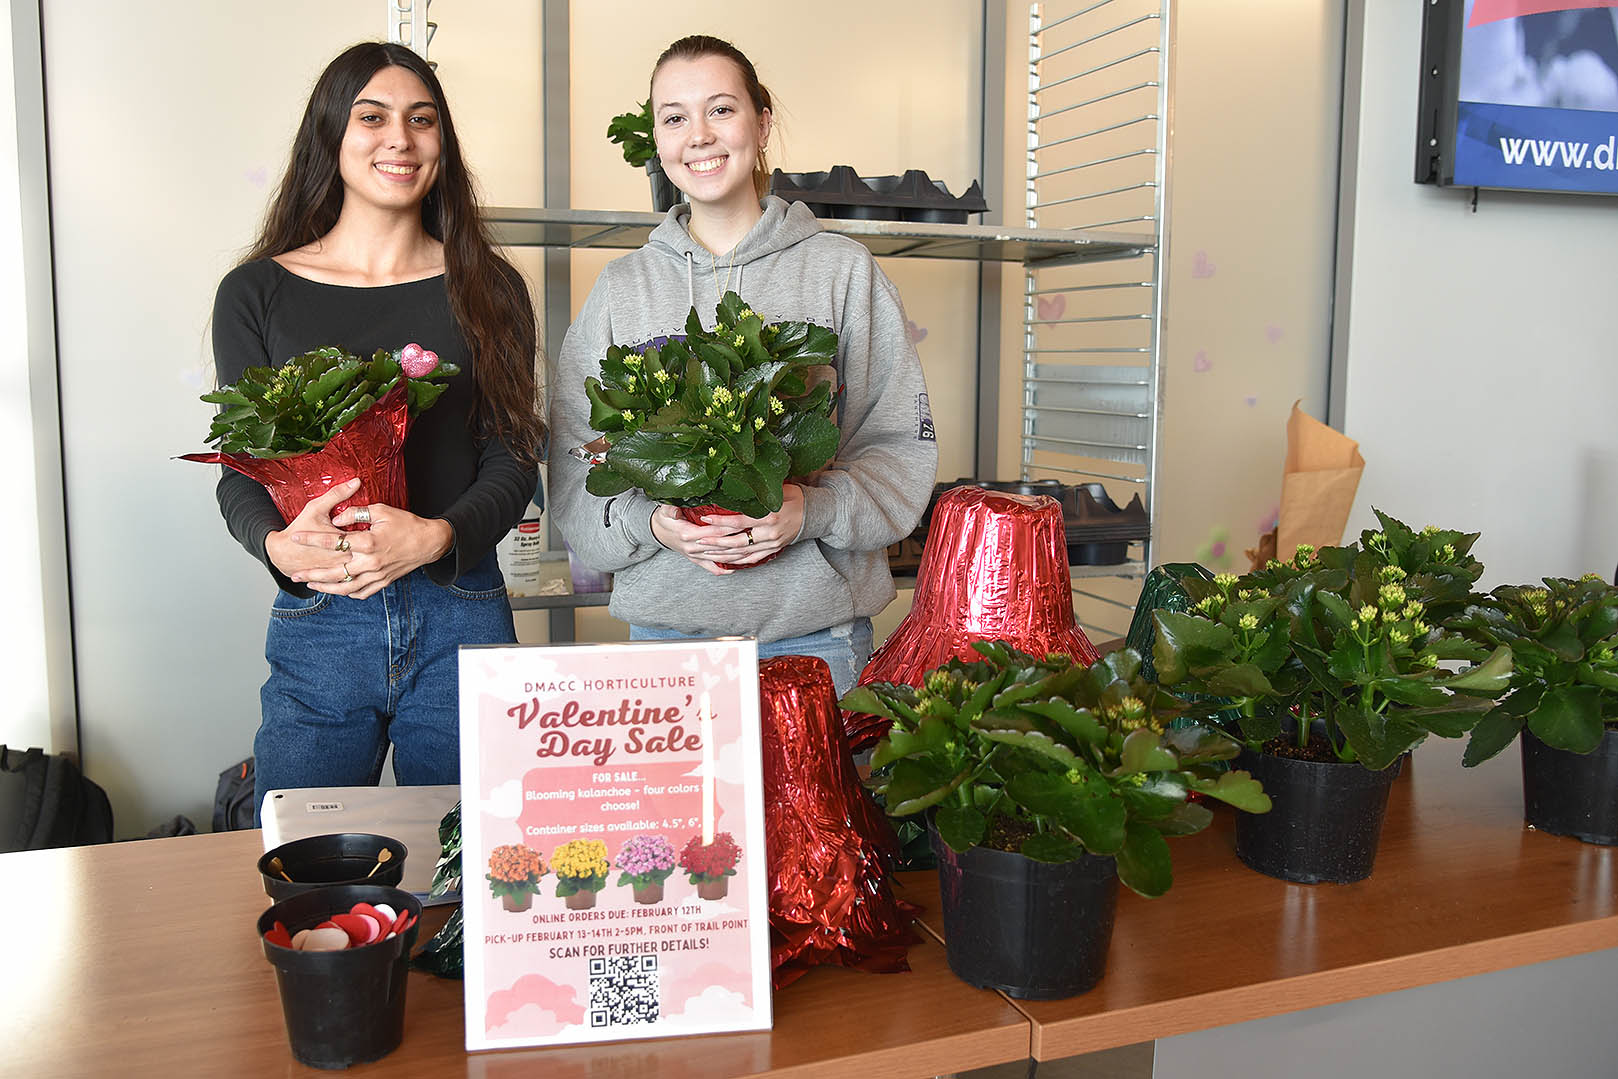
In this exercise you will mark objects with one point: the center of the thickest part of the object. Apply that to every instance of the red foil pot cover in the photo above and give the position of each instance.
(830, 847)
(370, 447)
(994, 568)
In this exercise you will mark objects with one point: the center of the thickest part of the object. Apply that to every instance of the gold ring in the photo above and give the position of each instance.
(362, 515)
(749, 532)
(347, 576)
(342, 545)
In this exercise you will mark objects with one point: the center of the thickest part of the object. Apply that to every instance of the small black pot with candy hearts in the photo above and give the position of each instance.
(343, 1000)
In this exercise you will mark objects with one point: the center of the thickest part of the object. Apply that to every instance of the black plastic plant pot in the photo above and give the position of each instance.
(1324, 822)
(319, 861)
(1032, 930)
(344, 1007)
(1572, 794)
(664, 194)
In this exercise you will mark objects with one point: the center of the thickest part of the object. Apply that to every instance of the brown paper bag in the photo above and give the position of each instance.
(1318, 483)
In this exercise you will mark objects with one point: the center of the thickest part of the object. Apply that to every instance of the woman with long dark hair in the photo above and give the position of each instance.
(374, 240)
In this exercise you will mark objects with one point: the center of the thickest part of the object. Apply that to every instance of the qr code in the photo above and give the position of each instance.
(624, 990)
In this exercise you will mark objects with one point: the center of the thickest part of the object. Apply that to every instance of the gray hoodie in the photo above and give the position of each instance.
(871, 495)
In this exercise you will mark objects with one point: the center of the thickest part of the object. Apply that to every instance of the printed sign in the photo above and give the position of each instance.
(614, 877)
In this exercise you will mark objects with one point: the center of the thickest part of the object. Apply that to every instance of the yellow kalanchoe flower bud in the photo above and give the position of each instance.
(1367, 613)
(1248, 621)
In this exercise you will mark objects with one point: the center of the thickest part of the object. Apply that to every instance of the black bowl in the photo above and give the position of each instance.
(323, 860)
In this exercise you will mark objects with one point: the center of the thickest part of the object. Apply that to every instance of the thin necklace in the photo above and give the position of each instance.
(714, 266)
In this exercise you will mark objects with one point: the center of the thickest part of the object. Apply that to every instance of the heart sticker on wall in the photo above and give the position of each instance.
(1202, 265)
(1273, 333)
(1201, 362)
(917, 333)
(1052, 307)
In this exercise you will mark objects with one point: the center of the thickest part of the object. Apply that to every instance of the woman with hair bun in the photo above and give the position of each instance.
(374, 240)
(712, 119)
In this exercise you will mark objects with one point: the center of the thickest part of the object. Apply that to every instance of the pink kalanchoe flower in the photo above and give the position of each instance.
(417, 361)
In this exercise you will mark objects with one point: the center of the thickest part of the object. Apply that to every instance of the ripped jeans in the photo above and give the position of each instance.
(846, 648)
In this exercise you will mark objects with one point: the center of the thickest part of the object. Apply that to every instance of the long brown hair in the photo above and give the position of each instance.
(695, 47)
(485, 293)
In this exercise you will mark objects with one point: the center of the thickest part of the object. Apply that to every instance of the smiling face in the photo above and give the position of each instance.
(389, 156)
(708, 133)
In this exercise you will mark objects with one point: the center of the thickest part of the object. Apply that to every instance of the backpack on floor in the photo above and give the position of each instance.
(233, 798)
(45, 801)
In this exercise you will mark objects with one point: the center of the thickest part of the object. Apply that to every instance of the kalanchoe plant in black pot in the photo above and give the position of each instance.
(719, 419)
(632, 133)
(1563, 700)
(1333, 663)
(1046, 783)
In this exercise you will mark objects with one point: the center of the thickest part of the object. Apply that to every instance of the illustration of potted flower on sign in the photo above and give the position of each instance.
(581, 867)
(707, 865)
(645, 862)
(514, 872)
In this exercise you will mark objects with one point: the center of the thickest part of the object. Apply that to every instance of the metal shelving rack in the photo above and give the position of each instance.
(1052, 248)
(567, 229)
(1097, 155)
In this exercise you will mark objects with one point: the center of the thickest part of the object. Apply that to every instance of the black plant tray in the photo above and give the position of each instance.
(843, 193)
(1098, 533)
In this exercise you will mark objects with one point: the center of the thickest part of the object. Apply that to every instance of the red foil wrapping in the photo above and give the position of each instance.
(994, 568)
(830, 847)
(370, 447)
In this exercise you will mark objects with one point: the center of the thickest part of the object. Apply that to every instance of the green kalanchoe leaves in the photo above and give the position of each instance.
(296, 408)
(1050, 759)
(1563, 682)
(733, 404)
(1353, 637)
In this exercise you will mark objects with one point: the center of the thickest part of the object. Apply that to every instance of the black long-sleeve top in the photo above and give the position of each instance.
(264, 315)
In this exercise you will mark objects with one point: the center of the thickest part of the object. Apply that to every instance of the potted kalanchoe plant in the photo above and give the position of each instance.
(710, 865)
(581, 868)
(1332, 662)
(631, 132)
(1046, 784)
(324, 417)
(717, 422)
(644, 863)
(1563, 700)
(514, 872)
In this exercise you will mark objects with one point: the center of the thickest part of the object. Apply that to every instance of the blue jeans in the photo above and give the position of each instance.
(347, 677)
(845, 648)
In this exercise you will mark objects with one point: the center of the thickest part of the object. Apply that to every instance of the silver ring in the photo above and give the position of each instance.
(362, 515)
(342, 545)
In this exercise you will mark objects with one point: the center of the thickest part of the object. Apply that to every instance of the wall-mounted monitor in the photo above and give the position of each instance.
(1519, 94)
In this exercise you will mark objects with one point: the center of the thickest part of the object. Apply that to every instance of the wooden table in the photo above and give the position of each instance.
(1461, 887)
(141, 959)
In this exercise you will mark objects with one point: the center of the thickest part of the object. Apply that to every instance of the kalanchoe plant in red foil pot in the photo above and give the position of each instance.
(323, 418)
(714, 423)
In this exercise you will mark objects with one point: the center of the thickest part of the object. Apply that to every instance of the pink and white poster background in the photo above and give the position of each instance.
(610, 742)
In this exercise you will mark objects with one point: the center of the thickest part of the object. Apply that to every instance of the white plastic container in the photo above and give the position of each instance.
(522, 553)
